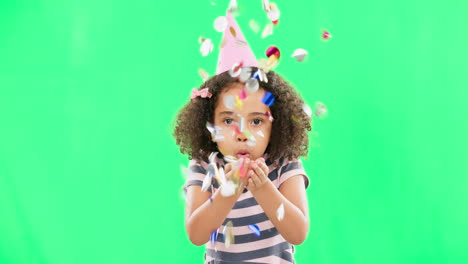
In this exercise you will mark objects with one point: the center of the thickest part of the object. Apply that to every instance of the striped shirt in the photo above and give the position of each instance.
(270, 247)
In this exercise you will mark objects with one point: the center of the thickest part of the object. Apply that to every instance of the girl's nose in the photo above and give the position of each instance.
(241, 137)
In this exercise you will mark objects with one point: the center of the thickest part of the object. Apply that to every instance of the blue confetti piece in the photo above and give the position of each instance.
(255, 229)
(214, 237)
(268, 99)
(256, 75)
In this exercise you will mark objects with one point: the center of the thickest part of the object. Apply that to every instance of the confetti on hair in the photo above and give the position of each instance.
(255, 229)
(236, 69)
(273, 13)
(294, 118)
(245, 74)
(280, 212)
(268, 99)
(306, 109)
(206, 47)
(299, 54)
(252, 85)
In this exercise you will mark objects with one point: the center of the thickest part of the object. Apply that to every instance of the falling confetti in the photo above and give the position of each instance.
(320, 110)
(273, 50)
(255, 229)
(206, 47)
(228, 188)
(273, 13)
(299, 54)
(267, 31)
(206, 182)
(270, 116)
(203, 74)
(233, 5)
(254, 26)
(241, 124)
(243, 94)
(228, 234)
(260, 133)
(268, 99)
(326, 35)
(280, 212)
(229, 101)
(220, 24)
(252, 141)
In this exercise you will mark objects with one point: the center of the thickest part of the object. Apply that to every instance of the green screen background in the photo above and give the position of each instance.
(89, 172)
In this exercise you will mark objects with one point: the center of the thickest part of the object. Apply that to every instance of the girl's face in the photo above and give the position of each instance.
(246, 128)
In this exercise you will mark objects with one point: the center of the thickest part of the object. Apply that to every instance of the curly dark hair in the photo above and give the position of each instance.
(289, 135)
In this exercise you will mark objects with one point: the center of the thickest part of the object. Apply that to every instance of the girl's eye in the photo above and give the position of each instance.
(228, 121)
(257, 121)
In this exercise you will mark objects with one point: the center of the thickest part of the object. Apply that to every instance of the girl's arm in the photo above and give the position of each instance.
(295, 224)
(203, 216)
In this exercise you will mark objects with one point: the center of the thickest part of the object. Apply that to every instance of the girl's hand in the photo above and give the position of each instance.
(230, 174)
(257, 175)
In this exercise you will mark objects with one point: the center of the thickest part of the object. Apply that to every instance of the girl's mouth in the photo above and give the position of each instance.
(243, 154)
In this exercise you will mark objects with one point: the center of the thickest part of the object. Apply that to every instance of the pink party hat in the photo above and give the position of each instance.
(234, 47)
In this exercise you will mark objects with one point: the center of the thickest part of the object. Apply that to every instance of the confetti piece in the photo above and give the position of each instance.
(294, 118)
(320, 110)
(280, 212)
(274, 13)
(214, 237)
(252, 85)
(238, 102)
(254, 26)
(203, 74)
(228, 234)
(237, 131)
(201, 39)
(245, 74)
(220, 24)
(242, 94)
(229, 101)
(255, 229)
(260, 75)
(260, 133)
(272, 61)
(270, 116)
(233, 32)
(268, 99)
(228, 188)
(267, 31)
(307, 110)
(242, 169)
(299, 54)
(241, 124)
(326, 35)
(266, 5)
(206, 182)
(233, 5)
(206, 47)
(252, 141)
(273, 50)
(236, 70)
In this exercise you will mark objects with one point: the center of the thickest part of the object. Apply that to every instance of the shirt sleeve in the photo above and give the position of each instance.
(195, 175)
(292, 168)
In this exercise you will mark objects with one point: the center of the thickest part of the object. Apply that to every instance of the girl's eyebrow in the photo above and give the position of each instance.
(256, 113)
(226, 113)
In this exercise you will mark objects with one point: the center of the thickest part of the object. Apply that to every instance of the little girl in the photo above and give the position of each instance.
(244, 131)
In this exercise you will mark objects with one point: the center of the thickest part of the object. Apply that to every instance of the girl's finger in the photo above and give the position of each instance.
(256, 180)
(259, 171)
(264, 167)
